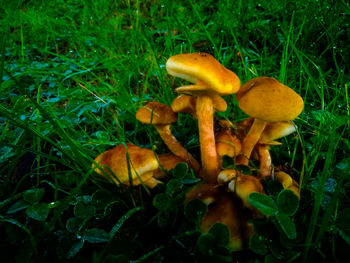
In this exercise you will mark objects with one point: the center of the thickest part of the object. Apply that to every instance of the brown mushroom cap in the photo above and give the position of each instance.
(269, 100)
(227, 144)
(157, 113)
(204, 67)
(167, 162)
(184, 104)
(244, 185)
(225, 211)
(142, 163)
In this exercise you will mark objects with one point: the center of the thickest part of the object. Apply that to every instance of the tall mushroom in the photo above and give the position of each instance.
(161, 116)
(267, 100)
(211, 79)
(128, 164)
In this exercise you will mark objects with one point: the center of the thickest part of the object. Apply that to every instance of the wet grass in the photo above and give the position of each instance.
(74, 73)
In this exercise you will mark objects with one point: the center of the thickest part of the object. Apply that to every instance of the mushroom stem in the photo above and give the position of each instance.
(175, 147)
(264, 160)
(250, 140)
(205, 111)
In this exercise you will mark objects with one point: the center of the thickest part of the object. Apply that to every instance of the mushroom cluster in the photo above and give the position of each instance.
(271, 107)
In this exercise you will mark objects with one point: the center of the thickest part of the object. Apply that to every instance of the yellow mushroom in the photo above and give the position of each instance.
(266, 100)
(211, 79)
(114, 165)
(161, 116)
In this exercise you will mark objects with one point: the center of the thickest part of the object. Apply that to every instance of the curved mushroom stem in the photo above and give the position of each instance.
(264, 160)
(250, 140)
(205, 111)
(175, 147)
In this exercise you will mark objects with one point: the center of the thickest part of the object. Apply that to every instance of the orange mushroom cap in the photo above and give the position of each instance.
(157, 113)
(142, 163)
(204, 67)
(269, 100)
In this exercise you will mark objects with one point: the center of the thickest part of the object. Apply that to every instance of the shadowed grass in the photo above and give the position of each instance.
(74, 73)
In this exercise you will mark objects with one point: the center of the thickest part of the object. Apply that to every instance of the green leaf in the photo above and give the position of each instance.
(161, 201)
(173, 186)
(274, 187)
(205, 243)
(83, 210)
(228, 162)
(77, 246)
(243, 169)
(33, 195)
(195, 210)
(18, 206)
(96, 235)
(180, 170)
(221, 234)
(116, 259)
(258, 244)
(38, 211)
(74, 224)
(345, 236)
(263, 203)
(287, 202)
(287, 225)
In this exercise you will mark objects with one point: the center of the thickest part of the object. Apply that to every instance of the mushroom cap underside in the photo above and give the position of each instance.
(205, 68)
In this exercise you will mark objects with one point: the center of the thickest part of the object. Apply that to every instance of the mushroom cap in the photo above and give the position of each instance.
(203, 67)
(285, 179)
(142, 163)
(167, 161)
(187, 104)
(227, 144)
(225, 211)
(269, 100)
(184, 104)
(244, 185)
(276, 130)
(156, 113)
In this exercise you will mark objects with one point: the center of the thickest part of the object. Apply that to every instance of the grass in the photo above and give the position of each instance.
(73, 74)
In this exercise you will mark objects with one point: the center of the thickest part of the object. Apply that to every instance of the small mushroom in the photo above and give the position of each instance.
(243, 185)
(224, 210)
(288, 182)
(226, 175)
(272, 132)
(161, 116)
(267, 100)
(184, 104)
(227, 144)
(211, 78)
(127, 164)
